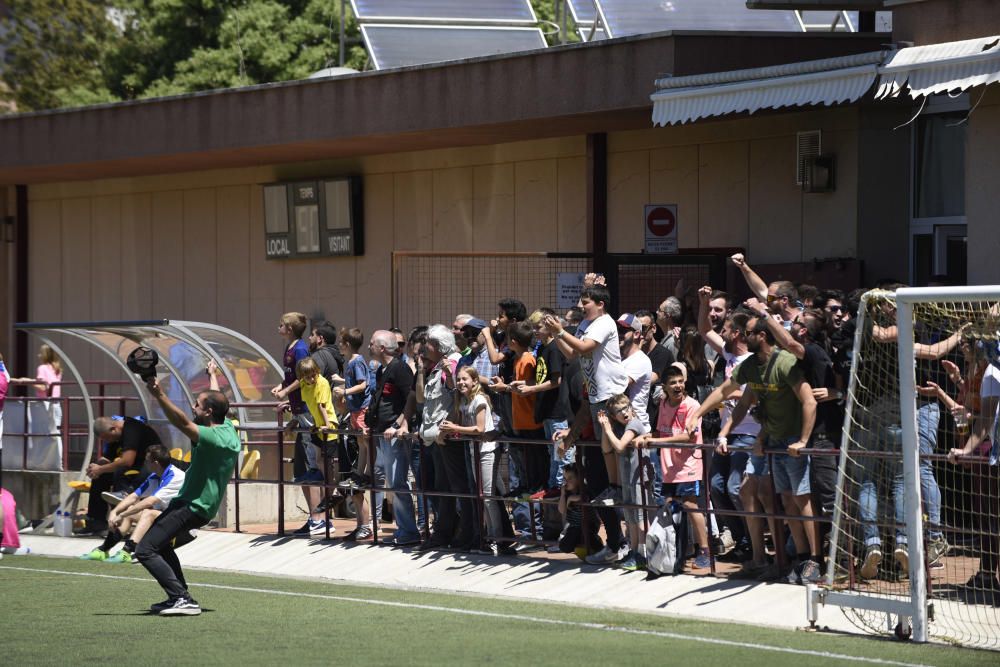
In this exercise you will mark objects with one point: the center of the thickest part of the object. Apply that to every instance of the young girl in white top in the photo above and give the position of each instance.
(475, 418)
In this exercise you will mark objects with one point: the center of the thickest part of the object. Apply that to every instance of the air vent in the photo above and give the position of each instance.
(807, 145)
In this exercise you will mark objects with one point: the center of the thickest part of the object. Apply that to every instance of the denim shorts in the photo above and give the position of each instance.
(682, 489)
(756, 465)
(791, 473)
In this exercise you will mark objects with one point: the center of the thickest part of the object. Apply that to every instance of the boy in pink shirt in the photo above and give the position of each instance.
(682, 467)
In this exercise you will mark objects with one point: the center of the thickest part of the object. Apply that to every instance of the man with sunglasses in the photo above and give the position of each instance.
(781, 296)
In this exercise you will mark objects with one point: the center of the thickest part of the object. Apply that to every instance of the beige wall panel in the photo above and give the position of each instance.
(452, 201)
(200, 237)
(105, 258)
(337, 290)
(830, 220)
(724, 131)
(233, 247)
(722, 195)
(572, 205)
(535, 211)
(46, 247)
(413, 220)
(136, 254)
(374, 270)
(168, 255)
(76, 260)
(267, 280)
(775, 211)
(982, 199)
(628, 193)
(673, 179)
(493, 207)
(301, 287)
(449, 158)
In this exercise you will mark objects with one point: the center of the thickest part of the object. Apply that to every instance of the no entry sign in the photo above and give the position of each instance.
(661, 228)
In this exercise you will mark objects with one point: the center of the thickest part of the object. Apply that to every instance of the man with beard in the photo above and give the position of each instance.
(215, 446)
(776, 381)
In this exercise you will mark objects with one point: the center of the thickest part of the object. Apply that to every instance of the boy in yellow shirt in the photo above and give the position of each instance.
(318, 397)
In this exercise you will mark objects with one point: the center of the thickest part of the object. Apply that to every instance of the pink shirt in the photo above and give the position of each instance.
(679, 465)
(4, 383)
(48, 375)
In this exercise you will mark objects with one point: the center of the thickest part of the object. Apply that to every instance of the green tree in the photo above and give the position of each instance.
(179, 46)
(55, 53)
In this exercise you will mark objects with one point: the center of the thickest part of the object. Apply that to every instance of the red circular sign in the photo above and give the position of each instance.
(661, 221)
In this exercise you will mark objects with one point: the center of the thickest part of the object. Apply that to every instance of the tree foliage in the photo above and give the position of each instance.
(61, 53)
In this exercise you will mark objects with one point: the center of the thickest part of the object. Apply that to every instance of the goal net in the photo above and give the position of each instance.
(915, 536)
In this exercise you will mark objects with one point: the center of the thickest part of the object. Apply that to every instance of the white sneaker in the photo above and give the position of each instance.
(182, 607)
(317, 527)
(623, 553)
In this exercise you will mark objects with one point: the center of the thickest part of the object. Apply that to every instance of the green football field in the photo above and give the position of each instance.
(61, 611)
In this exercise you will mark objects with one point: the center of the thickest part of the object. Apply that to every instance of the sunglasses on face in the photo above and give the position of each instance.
(835, 309)
(771, 298)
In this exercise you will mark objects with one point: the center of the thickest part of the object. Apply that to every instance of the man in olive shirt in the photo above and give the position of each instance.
(215, 447)
(786, 399)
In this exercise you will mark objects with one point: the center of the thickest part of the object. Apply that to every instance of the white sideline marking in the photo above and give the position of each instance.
(508, 617)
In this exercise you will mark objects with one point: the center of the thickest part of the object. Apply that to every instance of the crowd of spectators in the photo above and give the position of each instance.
(568, 430)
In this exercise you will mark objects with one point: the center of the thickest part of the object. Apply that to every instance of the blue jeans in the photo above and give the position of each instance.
(726, 479)
(396, 455)
(928, 416)
(555, 468)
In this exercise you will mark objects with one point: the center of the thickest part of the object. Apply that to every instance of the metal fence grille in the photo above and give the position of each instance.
(430, 287)
(647, 285)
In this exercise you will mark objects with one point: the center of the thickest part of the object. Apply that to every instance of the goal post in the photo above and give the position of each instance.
(905, 515)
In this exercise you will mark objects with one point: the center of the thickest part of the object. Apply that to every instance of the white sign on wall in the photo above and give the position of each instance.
(568, 286)
(660, 223)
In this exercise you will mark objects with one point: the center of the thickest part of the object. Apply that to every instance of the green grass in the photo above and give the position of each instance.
(48, 617)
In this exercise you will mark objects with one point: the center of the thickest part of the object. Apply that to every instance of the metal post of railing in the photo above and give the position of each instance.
(375, 512)
(236, 493)
(477, 471)
(281, 474)
(326, 483)
(422, 481)
(64, 428)
(706, 502)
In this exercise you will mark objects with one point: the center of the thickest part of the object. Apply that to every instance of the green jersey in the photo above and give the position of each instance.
(213, 461)
(773, 381)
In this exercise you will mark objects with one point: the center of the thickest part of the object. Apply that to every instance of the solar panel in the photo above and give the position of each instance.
(818, 21)
(439, 10)
(586, 30)
(636, 17)
(401, 45)
(583, 11)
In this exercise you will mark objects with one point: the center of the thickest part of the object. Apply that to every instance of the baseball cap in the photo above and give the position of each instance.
(629, 321)
(475, 324)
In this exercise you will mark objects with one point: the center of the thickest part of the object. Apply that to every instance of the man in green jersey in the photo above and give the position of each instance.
(215, 447)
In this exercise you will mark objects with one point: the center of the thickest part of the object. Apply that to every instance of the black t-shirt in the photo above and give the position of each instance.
(817, 369)
(392, 385)
(137, 437)
(550, 404)
(330, 362)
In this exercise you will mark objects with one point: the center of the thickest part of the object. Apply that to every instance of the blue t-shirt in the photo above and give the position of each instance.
(356, 373)
(293, 354)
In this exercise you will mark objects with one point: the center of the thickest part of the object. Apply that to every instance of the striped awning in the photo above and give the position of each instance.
(830, 81)
(940, 68)
(921, 70)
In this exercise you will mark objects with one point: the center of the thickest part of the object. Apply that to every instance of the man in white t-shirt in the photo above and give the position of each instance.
(596, 345)
(638, 367)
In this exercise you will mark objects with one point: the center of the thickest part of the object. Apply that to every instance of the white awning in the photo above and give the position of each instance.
(829, 81)
(940, 68)
(923, 70)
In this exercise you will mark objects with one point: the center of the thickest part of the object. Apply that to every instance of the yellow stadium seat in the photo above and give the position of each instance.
(176, 453)
(79, 485)
(187, 457)
(251, 465)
